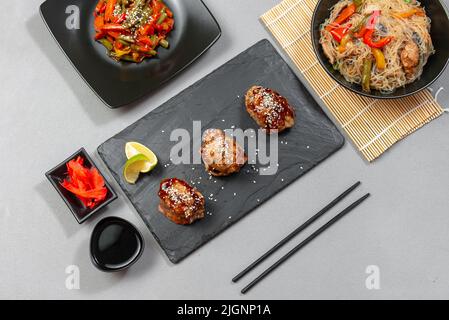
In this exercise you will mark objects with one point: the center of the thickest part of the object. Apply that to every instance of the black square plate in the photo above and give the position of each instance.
(120, 83)
(218, 102)
(79, 211)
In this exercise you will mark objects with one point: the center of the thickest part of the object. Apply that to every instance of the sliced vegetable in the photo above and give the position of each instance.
(339, 33)
(368, 40)
(110, 6)
(372, 20)
(113, 27)
(368, 23)
(147, 29)
(380, 58)
(119, 52)
(358, 3)
(145, 41)
(129, 58)
(106, 43)
(120, 18)
(360, 25)
(164, 43)
(366, 75)
(100, 7)
(342, 17)
(410, 13)
(98, 23)
(361, 33)
(162, 17)
(127, 39)
(344, 41)
(86, 184)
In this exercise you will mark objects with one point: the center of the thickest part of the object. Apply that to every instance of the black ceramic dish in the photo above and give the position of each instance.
(437, 63)
(120, 83)
(79, 211)
(115, 244)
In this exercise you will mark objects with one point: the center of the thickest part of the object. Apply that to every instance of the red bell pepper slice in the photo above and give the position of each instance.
(114, 27)
(368, 40)
(361, 32)
(145, 41)
(343, 16)
(98, 8)
(339, 33)
(98, 23)
(100, 35)
(109, 13)
(147, 29)
(157, 6)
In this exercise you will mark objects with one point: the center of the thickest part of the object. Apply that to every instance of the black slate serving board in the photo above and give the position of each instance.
(217, 101)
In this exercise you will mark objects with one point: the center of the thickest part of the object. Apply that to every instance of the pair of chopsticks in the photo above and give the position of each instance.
(303, 243)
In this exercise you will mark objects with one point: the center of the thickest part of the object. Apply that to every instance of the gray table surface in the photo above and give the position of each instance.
(48, 112)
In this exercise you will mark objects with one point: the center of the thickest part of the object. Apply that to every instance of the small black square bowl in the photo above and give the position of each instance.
(57, 175)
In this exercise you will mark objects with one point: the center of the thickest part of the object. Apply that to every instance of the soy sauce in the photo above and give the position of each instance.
(115, 244)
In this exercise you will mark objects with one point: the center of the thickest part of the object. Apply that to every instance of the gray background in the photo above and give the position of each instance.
(48, 112)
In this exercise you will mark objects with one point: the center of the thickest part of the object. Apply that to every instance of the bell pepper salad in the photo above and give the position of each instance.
(132, 30)
(86, 184)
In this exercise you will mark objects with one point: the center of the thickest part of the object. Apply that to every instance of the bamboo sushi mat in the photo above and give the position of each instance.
(373, 125)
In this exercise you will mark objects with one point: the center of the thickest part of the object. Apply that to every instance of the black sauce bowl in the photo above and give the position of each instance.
(437, 63)
(115, 244)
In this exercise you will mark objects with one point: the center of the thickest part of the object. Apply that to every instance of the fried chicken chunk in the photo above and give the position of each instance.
(180, 202)
(269, 109)
(410, 58)
(221, 154)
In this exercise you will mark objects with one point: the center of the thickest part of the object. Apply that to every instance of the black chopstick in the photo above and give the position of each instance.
(304, 243)
(295, 232)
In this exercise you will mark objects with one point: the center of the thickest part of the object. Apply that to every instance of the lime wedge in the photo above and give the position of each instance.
(134, 148)
(133, 167)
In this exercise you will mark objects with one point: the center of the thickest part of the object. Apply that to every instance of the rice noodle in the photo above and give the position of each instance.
(350, 63)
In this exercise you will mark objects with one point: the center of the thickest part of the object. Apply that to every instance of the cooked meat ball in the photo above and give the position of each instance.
(180, 202)
(221, 154)
(269, 109)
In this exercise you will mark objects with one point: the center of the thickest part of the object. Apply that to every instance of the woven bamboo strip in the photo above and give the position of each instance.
(373, 125)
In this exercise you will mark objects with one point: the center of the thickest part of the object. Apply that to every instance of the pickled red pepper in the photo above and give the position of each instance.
(85, 183)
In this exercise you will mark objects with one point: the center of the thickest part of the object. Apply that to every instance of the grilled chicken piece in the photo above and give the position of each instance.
(221, 154)
(180, 202)
(410, 58)
(269, 109)
(327, 47)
